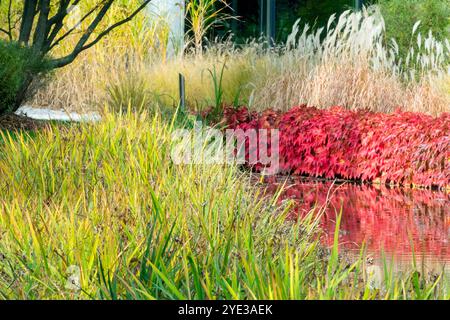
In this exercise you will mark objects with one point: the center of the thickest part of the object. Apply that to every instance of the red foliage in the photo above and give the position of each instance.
(401, 148)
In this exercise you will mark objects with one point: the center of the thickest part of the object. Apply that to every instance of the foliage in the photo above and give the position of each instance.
(16, 64)
(405, 148)
(400, 17)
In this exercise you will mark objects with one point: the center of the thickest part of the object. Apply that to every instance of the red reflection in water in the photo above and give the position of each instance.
(382, 218)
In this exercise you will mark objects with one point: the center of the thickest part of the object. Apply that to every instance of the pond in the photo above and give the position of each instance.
(396, 223)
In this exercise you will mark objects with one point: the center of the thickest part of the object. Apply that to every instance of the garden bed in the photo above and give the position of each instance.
(14, 122)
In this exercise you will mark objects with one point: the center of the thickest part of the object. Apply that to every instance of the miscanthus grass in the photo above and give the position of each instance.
(98, 211)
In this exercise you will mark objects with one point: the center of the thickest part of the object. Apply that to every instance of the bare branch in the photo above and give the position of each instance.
(10, 27)
(116, 25)
(81, 45)
(62, 11)
(57, 22)
(53, 43)
(5, 32)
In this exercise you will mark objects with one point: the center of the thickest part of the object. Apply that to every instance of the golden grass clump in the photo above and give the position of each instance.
(354, 86)
(349, 63)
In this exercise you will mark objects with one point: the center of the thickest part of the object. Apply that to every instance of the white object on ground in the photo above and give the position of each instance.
(57, 115)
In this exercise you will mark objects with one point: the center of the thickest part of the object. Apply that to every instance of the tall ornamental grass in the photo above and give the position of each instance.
(350, 62)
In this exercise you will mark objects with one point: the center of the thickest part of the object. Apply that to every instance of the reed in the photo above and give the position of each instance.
(202, 15)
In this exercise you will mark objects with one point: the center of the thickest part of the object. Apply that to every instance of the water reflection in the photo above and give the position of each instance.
(394, 220)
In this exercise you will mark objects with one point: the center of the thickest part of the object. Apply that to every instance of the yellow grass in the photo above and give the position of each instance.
(342, 69)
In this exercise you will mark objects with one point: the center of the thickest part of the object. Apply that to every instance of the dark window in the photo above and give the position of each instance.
(253, 21)
(314, 12)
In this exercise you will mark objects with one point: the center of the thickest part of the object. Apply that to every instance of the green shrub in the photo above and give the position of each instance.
(18, 67)
(400, 17)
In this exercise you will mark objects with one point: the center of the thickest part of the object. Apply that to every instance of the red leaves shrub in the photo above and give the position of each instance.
(401, 148)
(242, 119)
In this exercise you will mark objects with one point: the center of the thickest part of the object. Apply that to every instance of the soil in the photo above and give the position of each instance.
(13, 122)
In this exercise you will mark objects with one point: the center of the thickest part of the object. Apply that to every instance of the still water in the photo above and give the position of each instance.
(394, 221)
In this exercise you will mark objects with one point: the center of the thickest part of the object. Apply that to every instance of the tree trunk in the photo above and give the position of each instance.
(20, 96)
(22, 92)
